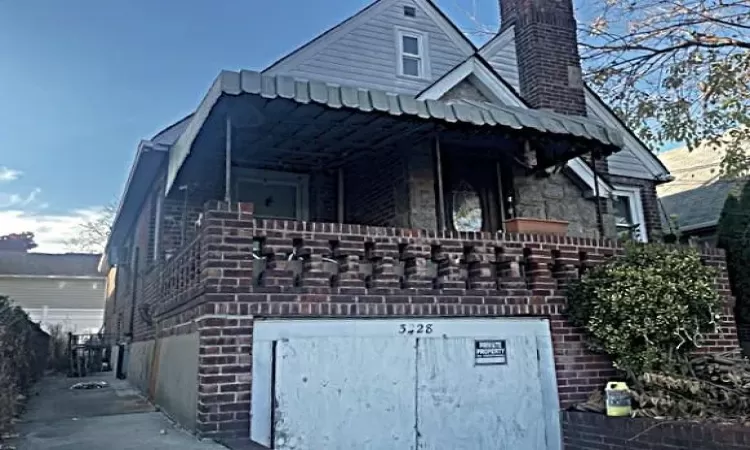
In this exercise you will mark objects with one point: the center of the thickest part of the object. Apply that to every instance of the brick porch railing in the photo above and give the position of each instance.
(253, 268)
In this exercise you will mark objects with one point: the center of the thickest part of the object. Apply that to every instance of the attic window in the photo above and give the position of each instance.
(412, 58)
(410, 11)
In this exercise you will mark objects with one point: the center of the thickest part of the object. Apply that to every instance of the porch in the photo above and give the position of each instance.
(309, 151)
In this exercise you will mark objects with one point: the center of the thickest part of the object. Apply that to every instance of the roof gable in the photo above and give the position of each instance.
(361, 51)
(635, 159)
(483, 78)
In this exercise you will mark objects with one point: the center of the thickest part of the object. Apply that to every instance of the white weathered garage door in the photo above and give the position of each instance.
(392, 384)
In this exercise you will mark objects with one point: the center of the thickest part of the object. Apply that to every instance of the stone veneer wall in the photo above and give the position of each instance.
(208, 289)
(557, 197)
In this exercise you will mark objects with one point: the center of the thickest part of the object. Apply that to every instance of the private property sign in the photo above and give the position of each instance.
(490, 352)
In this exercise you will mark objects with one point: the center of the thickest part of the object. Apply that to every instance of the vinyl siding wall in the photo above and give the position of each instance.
(367, 55)
(77, 304)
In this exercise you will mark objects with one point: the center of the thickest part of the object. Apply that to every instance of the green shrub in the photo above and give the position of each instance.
(648, 308)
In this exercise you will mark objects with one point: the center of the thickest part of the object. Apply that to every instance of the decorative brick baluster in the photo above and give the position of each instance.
(385, 275)
(420, 271)
(349, 254)
(278, 271)
(538, 271)
(509, 268)
(481, 269)
(563, 267)
(314, 274)
(450, 271)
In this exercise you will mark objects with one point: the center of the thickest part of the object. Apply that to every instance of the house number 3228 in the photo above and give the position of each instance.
(415, 328)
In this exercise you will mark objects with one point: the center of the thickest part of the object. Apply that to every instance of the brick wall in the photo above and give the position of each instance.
(374, 190)
(415, 273)
(324, 196)
(651, 211)
(549, 66)
(587, 431)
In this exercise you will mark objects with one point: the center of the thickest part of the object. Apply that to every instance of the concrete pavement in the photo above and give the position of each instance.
(113, 418)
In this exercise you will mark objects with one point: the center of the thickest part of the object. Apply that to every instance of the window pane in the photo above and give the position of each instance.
(411, 66)
(270, 200)
(622, 210)
(411, 45)
(467, 208)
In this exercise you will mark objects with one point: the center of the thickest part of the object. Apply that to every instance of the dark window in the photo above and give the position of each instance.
(410, 11)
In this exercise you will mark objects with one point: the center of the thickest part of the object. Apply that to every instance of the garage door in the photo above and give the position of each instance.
(444, 384)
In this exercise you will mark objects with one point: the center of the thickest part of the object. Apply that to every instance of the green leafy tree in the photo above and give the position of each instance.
(647, 309)
(675, 71)
(17, 242)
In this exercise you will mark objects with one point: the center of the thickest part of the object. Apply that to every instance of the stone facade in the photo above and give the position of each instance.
(556, 197)
(465, 90)
(212, 288)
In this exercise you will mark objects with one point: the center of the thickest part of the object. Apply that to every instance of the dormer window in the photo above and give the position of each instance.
(412, 58)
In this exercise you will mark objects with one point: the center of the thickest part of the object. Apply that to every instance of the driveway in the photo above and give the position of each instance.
(112, 418)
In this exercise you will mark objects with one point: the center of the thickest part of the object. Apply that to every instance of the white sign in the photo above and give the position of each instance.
(487, 353)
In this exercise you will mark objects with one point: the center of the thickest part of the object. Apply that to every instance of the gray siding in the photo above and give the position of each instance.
(625, 163)
(54, 293)
(504, 60)
(366, 55)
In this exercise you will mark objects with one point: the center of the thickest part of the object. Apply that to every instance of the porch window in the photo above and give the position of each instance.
(278, 195)
(627, 208)
(467, 208)
(412, 58)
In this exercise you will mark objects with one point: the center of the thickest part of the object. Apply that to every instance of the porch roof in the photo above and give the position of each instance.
(318, 96)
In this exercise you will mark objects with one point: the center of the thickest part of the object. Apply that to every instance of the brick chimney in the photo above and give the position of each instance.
(549, 66)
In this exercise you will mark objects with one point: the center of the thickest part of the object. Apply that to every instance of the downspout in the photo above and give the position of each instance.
(440, 191)
(134, 293)
(228, 161)
(597, 200)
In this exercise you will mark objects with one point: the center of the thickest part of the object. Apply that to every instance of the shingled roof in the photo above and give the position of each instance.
(45, 264)
(697, 195)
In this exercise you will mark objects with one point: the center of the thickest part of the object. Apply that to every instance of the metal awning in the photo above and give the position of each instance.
(379, 104)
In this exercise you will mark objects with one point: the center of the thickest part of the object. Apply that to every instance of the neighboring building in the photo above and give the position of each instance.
(328, 233)
(55, 289)
(693, 202)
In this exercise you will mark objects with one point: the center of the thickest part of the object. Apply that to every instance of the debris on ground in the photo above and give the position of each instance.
(706, 387)
(90, 385)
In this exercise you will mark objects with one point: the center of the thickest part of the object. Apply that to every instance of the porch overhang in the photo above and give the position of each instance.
(288, 120)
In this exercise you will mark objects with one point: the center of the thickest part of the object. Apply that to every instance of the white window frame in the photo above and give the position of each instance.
(423, 56)
(298, 180)
(633, 194)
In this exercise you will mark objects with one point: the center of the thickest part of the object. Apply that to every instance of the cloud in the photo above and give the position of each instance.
(7, 174)
(16, 200)
(51, 231)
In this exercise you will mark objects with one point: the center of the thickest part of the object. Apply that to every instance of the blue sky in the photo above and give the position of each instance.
(82, 81)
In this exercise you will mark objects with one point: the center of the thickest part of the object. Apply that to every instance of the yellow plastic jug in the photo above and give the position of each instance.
(618, 399)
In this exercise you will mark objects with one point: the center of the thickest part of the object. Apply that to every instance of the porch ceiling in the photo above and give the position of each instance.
(280, 120)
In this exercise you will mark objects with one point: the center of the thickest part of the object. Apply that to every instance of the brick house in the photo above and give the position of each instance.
(325, 255)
